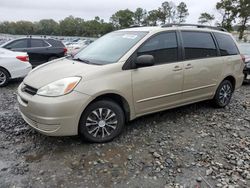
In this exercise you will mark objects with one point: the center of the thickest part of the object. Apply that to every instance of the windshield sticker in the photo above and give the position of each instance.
(127, 36)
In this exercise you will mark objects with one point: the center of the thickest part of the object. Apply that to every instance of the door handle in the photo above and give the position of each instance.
(177, 68)
(189, 66)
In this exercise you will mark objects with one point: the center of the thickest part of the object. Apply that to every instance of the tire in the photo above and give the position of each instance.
(223, 94)
(4, 77)
(97, 128)
(52, 58)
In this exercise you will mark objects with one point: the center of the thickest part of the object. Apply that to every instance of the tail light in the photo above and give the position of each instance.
(23, 58)
(65, 50)
(243, 58)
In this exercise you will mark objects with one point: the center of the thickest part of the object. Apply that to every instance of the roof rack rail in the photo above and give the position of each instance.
(137, 25)
(196, 25)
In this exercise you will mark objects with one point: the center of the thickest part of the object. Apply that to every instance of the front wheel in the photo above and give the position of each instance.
(223, 94)
(102, 121)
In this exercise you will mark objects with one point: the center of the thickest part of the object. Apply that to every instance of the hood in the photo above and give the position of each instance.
(56, 70)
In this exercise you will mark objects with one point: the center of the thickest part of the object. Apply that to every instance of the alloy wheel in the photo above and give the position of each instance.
(225, 94)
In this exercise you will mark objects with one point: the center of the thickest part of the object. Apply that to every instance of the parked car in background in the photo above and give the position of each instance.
(127, 74)
(13, 65)
(245, 50)
(40, 50)
(75, 47)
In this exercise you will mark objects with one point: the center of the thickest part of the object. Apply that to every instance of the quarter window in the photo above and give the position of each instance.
(198, 45)
(163, 47)
(226, 44)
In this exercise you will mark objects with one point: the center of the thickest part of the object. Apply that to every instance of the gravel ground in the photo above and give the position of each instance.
(192, 146)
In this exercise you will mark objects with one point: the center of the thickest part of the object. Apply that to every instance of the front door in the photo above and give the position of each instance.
(160, 86)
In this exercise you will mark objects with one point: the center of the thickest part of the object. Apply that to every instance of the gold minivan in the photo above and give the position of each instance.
(127, 74)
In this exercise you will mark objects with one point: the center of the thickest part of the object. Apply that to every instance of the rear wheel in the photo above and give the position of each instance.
(52, 58)
(4, 77)
(102, 121)
(223, 94)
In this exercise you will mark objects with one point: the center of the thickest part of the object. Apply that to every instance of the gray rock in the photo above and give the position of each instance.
(156, 155)
(199, 179)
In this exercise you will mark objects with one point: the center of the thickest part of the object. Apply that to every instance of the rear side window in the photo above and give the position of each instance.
(163, 47)
(226, 44)
(198, 45)
(37, 43)
(23, 43)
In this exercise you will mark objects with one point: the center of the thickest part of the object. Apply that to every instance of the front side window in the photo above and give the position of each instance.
(163, 47)
(198, 45)
(226, 44)
(18, 44)
(111, 47)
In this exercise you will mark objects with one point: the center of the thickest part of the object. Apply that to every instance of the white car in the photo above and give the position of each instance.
(75, 47)
(13, 65)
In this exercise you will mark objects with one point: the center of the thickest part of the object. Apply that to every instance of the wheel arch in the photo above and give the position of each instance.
(6, 70)
(231, 79)
(117, 98)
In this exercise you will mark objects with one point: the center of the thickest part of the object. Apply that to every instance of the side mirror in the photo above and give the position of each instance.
(145, 60)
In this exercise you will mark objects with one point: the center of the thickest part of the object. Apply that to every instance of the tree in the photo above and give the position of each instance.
(228, 10)
(182, 12)
(243, 9)
(171, 13)
(140, 16)
(168, 10)
(122, 19)
(153, 17)
(71, 26)
(206, 18)
(24, 28)
(47, 27)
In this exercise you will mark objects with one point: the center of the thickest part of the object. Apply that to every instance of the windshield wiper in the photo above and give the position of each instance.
(85, 61)
(82, 60)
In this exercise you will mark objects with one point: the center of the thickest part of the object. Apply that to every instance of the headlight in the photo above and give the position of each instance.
(60, 87)
(248, 65)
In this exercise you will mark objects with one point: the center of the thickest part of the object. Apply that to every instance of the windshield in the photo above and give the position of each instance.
(244, 48)
(110, 48)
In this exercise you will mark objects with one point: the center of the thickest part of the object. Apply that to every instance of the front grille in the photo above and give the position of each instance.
(30, 90)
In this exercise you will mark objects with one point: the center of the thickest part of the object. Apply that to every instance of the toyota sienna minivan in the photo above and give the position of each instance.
(127, 74)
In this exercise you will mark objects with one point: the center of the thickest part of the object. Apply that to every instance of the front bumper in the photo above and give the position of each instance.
(53, 116)
(246, 70)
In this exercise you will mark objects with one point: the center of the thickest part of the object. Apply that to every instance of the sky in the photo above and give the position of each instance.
(35, 10)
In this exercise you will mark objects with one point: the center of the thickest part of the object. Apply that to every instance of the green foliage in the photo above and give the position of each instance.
(122, 19)
(232, 9)
(140, 16)
(243, 9)
(71, 26)
(47, 27)
(206, 18)
(153, 17)
(170, 13)
(227, 8)
(182, 12)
